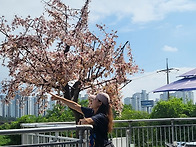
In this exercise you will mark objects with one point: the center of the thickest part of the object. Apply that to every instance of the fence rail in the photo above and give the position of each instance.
(179, 132)
(76, 135)
(156, 132)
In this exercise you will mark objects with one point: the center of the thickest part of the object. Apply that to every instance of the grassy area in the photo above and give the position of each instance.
(4, 140)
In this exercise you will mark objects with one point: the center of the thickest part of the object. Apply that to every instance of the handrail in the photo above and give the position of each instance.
(56, 124)
(47, 124)
(44, 129)
(157, 119)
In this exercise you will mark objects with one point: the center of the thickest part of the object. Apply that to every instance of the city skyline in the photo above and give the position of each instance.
(140, 101)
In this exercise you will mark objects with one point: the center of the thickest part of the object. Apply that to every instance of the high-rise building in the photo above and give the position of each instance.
(185, 95)
(1, 108)
(127, 100)
(2, 105)
(136, 99)
(19, 107)
(51, 104)
(164, 96)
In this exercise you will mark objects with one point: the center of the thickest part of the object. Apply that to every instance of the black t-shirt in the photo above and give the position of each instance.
(100, 127)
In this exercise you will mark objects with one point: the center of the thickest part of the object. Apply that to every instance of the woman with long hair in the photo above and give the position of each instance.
(99, 115)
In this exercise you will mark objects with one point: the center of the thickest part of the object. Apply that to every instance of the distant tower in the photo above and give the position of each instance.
(127, 100)
(136, 101)
(1, 105)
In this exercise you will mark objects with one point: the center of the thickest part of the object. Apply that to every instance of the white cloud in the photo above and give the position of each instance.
(179, 26)
(140, 11)
(170, 49)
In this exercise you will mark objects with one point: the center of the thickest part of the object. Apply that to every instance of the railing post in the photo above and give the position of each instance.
(127, 137)
(36, 141)
(172, 127)
(81, 132)
(24, 139)
(130, 135)
(56, 136)
(36, 137)
(86, 132)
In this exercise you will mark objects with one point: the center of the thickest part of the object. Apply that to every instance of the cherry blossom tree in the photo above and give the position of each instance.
(57, 51)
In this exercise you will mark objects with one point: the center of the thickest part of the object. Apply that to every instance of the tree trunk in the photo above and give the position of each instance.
(72, 93)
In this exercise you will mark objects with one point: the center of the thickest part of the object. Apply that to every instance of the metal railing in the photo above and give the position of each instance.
(75, 135)
(155, 132)
(163, 132)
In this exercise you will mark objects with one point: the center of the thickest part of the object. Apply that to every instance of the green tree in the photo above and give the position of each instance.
(62, 113)
(129, 113)
(172, 108)
(193, 111)
(59, 113)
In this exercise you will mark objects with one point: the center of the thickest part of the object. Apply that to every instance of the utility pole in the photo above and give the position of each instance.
(167, 70)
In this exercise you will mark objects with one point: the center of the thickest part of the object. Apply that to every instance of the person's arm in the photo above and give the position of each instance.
(86, 121)
(69, 103)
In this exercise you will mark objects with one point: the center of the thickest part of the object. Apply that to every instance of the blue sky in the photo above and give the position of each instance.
(168, 35)
(156, 29)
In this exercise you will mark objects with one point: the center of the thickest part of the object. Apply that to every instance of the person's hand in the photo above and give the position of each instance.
(86, 121)
(82, 121)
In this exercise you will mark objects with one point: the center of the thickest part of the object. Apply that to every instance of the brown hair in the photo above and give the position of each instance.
(110, 118)
(107, 110)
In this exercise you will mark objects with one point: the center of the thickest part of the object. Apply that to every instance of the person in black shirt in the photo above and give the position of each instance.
(99, 115)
